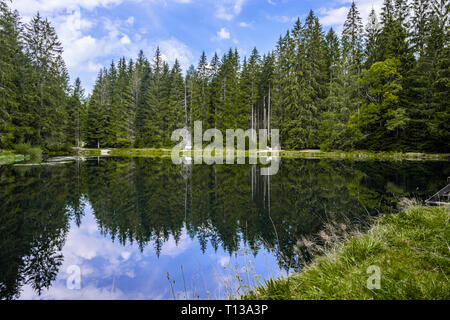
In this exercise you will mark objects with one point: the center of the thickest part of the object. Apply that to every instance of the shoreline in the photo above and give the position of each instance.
(11, 157)
(308, 154)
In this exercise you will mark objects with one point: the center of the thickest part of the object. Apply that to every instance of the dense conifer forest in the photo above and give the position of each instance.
(382, 86)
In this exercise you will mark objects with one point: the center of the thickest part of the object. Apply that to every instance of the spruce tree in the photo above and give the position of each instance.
(176, 112)
(152, 128)
(249, 89)
(10, 53)
(352, 41)
(200, 99)
(97, 113)
(420, 26)
(50, 81)
(372, 40)
(77, 113)
(214, 92)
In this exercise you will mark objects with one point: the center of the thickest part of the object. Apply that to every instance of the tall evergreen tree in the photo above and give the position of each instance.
(10, 59)
(372, 38)
(77, 113)
(200, 100)
(152, 131)
(50, 81)
(97, 112)
(352, 41)
(176, 112)
(419, 22)
(249, 89)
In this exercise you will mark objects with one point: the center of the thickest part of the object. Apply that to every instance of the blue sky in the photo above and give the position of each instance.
(93, 32)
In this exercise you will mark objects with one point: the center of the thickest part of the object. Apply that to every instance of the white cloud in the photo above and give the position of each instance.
(125, 40)
(30, 7)
(228, 9)
(90, 42)
(335, 17)
(282, 19)
(332, 17)
(130, 20)
(223, 34)
(173, 248)
(244, 24)
(172, 49)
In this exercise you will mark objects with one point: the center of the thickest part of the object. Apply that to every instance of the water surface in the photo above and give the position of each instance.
(144, 228)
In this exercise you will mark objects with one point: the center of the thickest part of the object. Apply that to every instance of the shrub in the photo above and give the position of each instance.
(35, 153)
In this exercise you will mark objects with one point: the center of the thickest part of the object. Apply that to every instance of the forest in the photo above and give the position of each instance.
(380, 86)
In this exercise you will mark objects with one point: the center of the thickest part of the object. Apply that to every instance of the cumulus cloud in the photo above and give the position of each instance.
(335, 16)
(105, 265)
(91, 41)
(223, 34)
(228, 9)
(130, 20)
(244, 24)
(29, 7)
(173, 248)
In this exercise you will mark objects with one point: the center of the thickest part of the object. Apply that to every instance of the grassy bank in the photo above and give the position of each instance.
(365, 155)
(313, 154)
(411, 249)
(9, 156)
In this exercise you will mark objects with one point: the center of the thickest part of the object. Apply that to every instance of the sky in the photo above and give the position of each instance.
(94, 32)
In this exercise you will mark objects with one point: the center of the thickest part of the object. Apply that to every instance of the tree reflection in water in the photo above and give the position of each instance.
(148, 200)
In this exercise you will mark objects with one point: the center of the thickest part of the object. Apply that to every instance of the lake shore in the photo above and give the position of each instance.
(303, 154)
(9, 157)
(410, 250)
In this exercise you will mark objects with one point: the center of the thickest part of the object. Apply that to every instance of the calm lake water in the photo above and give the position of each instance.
(127, 224)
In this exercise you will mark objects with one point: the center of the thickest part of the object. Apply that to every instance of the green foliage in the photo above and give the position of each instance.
(26, 149)
(381, 114)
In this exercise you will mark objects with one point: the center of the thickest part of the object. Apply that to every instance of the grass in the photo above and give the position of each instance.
(21, 152)
(365, 155)
(411, 249)
(139, 152)
(313, 154)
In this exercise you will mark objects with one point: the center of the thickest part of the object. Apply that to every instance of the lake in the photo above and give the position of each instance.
(144, 228)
